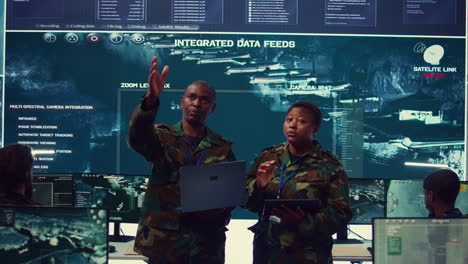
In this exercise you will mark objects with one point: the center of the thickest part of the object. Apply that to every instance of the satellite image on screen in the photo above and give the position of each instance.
(367, 199)
(405, 198)
(387, 103)
(121, 194)
(53, 235)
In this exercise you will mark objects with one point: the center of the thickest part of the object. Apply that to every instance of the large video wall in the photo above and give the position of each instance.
(389, 77)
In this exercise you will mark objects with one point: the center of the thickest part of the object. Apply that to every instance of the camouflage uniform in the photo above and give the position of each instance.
(317, 174)
(15, 199)
(454, 213)
(164, 234)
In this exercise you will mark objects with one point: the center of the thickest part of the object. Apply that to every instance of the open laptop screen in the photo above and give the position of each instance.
(211, 186)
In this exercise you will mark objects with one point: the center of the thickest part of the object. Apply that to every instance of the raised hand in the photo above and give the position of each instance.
(156, 83)
(265, 173)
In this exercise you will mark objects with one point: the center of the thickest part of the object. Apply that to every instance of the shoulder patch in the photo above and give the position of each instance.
(274, 149)
(162, 127)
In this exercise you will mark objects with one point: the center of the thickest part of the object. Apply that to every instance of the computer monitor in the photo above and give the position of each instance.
(53, 189)
(405, 198)
(367, 200)
(121, 194)
(53, 235)
(462, 199)
(420, 240)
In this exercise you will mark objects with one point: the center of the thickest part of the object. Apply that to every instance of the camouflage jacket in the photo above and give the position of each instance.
(167, 149)
(454, 213)
(316, 175)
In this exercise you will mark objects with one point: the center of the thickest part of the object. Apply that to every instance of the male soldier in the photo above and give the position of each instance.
(441, 189)
(165, 235)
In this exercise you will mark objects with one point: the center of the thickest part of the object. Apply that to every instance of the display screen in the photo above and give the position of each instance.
(53, 189)
(53, 235)
(121, 194)
(405, 198)
(367, 199)
(425, 240)
(405, 17)
(388, 76)
(381, 111)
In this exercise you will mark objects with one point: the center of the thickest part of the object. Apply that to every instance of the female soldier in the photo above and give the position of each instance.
(298, 169)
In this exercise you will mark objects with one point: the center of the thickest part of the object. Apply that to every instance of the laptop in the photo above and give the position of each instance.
(212, 186)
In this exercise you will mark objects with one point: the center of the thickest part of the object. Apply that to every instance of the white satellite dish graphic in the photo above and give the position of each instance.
(433, 54)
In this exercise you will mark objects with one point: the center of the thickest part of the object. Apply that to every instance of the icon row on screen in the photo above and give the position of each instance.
(114, 38)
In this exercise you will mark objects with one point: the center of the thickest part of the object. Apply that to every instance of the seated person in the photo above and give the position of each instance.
(16, 164)
(441, 189)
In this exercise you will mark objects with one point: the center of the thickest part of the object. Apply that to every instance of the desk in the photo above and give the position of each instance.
(341, 252)
(122, 250)
(352, 252)
(239, 246)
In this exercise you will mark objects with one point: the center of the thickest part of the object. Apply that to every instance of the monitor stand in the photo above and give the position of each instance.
(342, 237)
(117, 237)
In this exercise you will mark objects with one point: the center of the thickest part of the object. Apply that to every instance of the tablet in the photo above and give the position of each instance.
(304, 204)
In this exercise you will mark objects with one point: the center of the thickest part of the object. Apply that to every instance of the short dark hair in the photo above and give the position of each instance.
(15, 162)
(445, 183)
(207, 85)
(312, 109)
